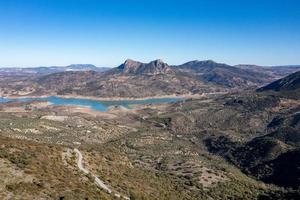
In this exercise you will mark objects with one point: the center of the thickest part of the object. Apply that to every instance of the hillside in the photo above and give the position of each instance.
(273, 139)
(287, 86)
(256, 132)
(291, 82)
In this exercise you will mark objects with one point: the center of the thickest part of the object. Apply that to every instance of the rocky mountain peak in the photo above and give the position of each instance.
(158, 62)
(130, 62)
(153, 67)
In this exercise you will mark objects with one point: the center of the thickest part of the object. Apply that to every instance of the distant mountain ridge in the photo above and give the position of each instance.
(137, 79)
(223, 74)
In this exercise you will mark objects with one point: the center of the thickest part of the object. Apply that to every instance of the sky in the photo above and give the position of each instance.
(107, 32)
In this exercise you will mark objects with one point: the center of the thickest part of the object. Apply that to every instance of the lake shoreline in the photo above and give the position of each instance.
(95, 104)
(107, 98)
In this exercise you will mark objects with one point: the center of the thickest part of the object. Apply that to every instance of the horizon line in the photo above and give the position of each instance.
(103, 66)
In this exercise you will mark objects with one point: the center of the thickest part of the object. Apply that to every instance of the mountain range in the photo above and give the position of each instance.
(131, 79)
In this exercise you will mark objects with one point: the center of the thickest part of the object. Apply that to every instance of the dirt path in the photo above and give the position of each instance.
(79, 161)
(98, 181)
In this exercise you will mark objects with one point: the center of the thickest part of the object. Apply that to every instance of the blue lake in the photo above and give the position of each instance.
(93, 104)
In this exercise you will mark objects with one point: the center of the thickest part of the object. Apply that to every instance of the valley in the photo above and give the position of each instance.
(149, 100)
(224, 138)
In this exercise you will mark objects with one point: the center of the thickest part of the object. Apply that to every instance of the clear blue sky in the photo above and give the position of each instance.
(105, 33)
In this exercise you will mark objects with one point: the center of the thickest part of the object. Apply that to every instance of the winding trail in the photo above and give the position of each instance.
(79, 161)
(98, 181)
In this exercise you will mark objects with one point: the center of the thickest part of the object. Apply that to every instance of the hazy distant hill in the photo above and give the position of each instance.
(273, 71)
(51, 69)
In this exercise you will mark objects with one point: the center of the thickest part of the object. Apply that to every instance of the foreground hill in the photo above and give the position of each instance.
(148, 153)
(257, 132)
(136, 79)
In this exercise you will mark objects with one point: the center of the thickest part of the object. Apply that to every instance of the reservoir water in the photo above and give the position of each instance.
(93, 104)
